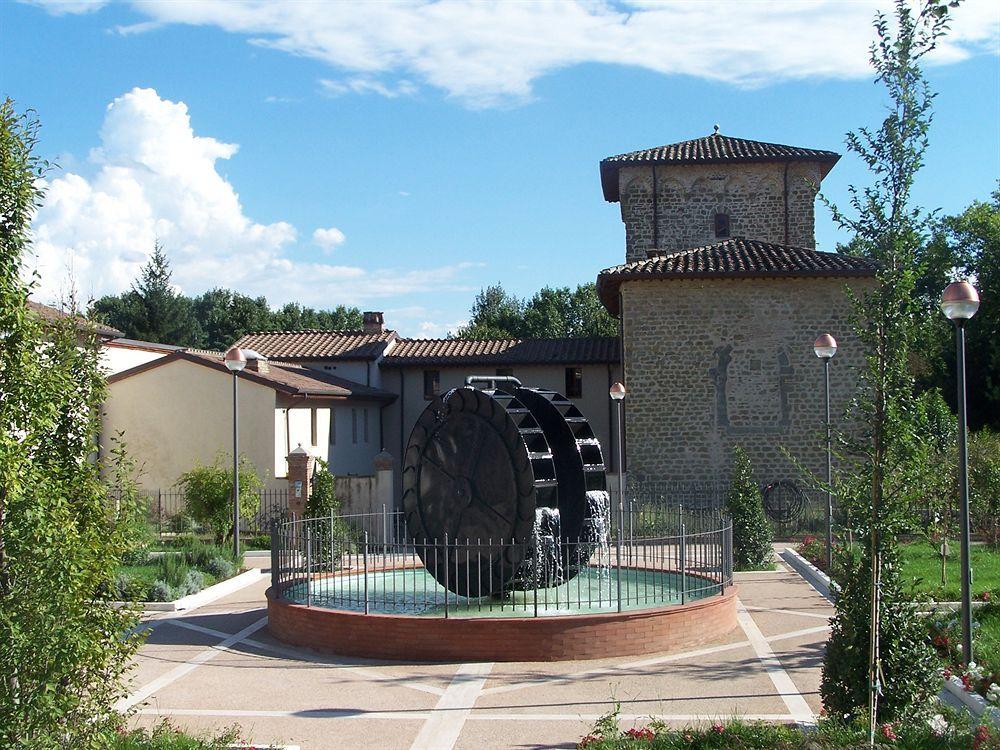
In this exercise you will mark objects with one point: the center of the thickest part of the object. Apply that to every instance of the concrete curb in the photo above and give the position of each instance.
(813, 575)
(203, 597)
(973, 702)
(264, 747)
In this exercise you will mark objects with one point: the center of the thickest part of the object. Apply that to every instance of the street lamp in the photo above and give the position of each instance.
(960, 302)
(825, 347)
(617, 393)
(235, 361)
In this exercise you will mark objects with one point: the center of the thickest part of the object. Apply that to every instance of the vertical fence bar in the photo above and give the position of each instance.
(447, 580)
(309, 560)
(366, 571)
(618, 561)
(275, 564)
(683, 561)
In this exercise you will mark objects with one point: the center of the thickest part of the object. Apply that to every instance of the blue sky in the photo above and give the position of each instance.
(439, 147)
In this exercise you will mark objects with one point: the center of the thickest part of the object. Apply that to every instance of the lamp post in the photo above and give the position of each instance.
(825, 347)
(617, 393)
(235, 361)
(960, 302)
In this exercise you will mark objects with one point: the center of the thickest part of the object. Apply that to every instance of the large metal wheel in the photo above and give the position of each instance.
(476, 466)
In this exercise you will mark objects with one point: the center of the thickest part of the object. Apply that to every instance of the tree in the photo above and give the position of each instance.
(152, 310)
(295, 317)
(752, 535)
(225, 316)
(877, 660)
(64, 650)
(208, 494)
(550, 313)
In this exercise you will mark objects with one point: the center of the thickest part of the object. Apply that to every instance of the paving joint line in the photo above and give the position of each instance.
(441, 730)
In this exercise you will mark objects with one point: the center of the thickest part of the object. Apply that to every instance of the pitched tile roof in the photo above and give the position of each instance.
(316, 344)
(53, 314)
(285, 377)
(712, 149)
(595, 350)
(736, 257)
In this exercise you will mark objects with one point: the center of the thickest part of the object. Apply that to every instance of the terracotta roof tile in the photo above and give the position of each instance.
(736, 257)
(53, 314)
(595, 350)
(315, 344)
(712, 149)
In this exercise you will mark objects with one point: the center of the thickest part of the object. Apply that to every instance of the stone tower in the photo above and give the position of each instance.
(695, 193)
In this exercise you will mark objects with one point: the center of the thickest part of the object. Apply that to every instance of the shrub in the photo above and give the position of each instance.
(208, 491)
(220, 568)
(333, 538)
(181, 523)
(173, 568)
(813, 549)
(751, 531)
(160, 591)
(194, 582)
(984, 483)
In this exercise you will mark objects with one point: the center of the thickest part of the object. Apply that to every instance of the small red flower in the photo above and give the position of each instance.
(985, 596)
(946, 673)
(887, 732)
(590, 739)
(718, 728)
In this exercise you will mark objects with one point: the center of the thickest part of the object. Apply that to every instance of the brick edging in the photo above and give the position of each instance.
(549, 638)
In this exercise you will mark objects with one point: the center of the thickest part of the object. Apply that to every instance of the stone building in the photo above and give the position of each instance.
(720, 299)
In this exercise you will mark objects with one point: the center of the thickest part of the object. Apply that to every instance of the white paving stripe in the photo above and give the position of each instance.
(790, 694)
(441, 730)
(610, 671)
(189, 666)
(475, 715)
(291, 653)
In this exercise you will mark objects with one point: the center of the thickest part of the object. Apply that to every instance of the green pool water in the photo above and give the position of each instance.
(416, 592)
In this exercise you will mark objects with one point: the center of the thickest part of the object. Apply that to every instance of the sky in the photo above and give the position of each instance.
(401, 156)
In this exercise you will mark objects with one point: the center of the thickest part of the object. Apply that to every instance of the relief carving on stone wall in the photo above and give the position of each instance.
(763, 400)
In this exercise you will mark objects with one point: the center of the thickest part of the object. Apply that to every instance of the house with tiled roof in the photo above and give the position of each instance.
(721, 295)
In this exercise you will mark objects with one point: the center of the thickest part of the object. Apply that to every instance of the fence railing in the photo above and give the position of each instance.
(167, 512)
(370, 563)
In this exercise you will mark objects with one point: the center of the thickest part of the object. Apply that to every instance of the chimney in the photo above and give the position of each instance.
(258, 364)
(373, 322)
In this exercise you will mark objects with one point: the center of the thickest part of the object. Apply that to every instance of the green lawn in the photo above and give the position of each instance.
(923, 564)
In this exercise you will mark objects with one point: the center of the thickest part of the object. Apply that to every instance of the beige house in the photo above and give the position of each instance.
(720, 299)
(176, 411)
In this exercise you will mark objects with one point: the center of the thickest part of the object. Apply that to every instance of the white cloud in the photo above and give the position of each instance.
(154, 178)
(328, 238)
(364, 85)
(491, 53)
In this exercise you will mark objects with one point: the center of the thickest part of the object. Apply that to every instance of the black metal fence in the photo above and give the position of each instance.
(167, 512)
(369, 563)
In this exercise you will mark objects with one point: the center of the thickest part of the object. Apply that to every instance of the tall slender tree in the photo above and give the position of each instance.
(877, 662)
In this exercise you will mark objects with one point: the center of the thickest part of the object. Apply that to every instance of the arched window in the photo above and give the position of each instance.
(722, 225)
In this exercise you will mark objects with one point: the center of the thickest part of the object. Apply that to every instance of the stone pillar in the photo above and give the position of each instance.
(300, 471)
(382, 464)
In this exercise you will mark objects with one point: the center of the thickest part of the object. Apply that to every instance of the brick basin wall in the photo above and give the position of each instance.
(510, 639)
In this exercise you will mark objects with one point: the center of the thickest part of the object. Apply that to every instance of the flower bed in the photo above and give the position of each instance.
(938, 732)
(190, 567)
(982, 676)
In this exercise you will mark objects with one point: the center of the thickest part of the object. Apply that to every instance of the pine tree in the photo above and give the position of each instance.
(752, 535)
(163, 314)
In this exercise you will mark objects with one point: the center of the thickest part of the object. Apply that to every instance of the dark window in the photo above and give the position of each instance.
(505, 372)
(432, 383)
(574, 382)
(354, 425)
(366, 425)
(333, 426)
(313, 427)
(722, 225)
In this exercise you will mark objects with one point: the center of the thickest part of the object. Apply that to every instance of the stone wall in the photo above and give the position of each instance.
(688, 197)
(715, 363)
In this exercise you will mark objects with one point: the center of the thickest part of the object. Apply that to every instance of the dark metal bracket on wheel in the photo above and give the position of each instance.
(477, 466)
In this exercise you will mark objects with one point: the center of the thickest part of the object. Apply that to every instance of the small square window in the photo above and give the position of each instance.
(574, 382)
(432, 384)
(722, 225)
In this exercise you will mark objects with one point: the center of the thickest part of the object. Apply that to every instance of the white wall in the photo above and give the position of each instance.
(118, 358)
(293, 427)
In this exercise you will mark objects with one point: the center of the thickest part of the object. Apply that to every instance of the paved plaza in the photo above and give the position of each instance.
(218, 666)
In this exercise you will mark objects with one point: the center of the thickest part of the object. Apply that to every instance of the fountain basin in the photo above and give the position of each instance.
(569, 636)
